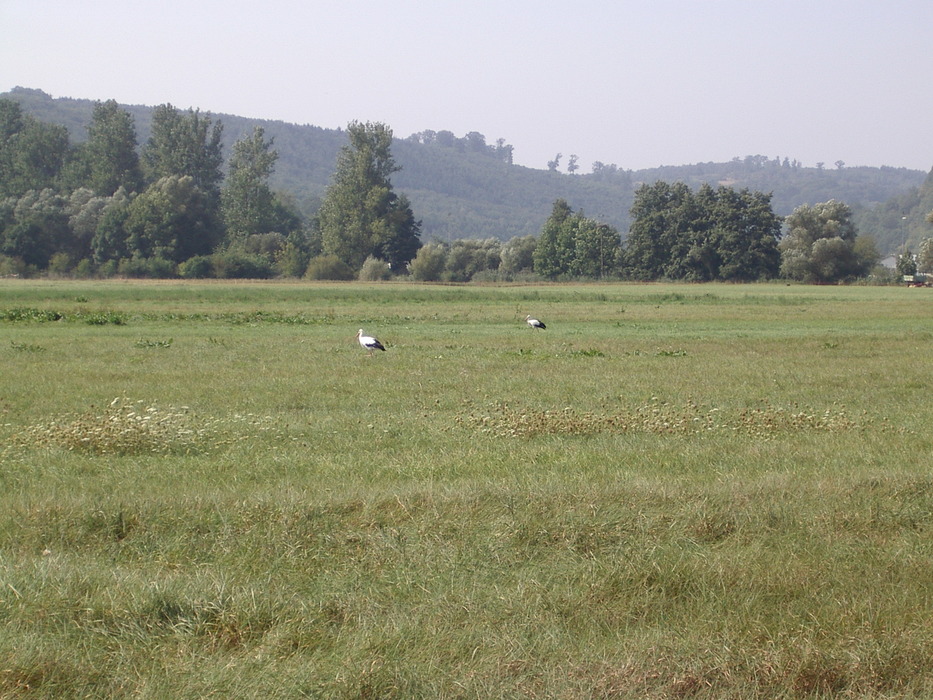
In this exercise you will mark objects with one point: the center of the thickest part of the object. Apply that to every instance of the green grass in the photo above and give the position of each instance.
(675, 491)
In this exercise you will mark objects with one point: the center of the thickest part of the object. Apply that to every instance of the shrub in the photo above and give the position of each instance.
(13, 267)
(155, 268)
(428, 265)
(233, 264)
(109, 268)
(466, 257)
(59, 264)
(291, 261)
(374, 270)
(198, 267)
(328, 267)
(84, 269)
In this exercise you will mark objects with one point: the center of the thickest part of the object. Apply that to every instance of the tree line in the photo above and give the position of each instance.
(711, 234)
(461, 190)
(108, 206)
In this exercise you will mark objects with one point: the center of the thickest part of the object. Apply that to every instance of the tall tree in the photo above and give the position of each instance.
(109, 242)
(572, 166)
(739, 238)
(111, 150)
(504, 150)
(925, 255)
(819, 246)
(32, 153)
(247, 201)
(713, 234)
(572, 244)
(554, 251)
(663, 215)
(361, 216)
(596, 248)
(185, 144)
(168, 221)
(35, 227)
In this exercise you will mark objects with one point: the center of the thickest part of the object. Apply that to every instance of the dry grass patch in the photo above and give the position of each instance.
(662, 418)
(128, 427)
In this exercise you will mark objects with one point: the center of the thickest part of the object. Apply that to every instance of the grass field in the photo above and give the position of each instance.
(208, 489)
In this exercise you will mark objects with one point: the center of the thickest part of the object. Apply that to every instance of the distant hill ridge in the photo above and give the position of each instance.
(459, 191)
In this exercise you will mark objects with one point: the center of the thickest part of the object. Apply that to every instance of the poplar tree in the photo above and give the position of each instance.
(361, 215)
(185, 144)
(32, 153)
(247, 202)
(111, 150)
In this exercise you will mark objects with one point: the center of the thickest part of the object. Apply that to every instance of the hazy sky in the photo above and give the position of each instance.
(638, 84)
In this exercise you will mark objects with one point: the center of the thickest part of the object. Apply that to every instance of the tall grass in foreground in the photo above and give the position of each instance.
(674, 491)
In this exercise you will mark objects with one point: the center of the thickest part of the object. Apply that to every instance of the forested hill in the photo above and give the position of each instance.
(465, 188)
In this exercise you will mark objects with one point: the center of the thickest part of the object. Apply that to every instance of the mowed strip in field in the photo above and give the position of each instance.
(673, 490)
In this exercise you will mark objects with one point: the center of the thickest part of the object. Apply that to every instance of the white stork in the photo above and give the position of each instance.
(534, 323)
(367, 342)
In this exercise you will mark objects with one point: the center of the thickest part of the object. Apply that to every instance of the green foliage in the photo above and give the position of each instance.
(34, 227)
(374, 270)
(111, 156)
(925, 255)
(518, 254)
(84, 214)
(361, 215)
(84, 269)
(553, 253)
(820, 245)
(32, 153)
(902, 220)
(466, 258)
(236, 263)
(866, 252)
(185, 145)
(60, 264)
(596, 250)
(247, 201)
(659, 236)
(711, 235)
(171, 219)
(429, 263)
(572, 244)
(461, 192)
(739, 241)
(328, 267)
(462, 188)
(152, 268)
(110, 241)
(197, 267)
(26, 347)
(14, 267)
(104, 318)
(108, 216)
(906, 264)
(291, 260)
(147, 343)
(30, 314)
